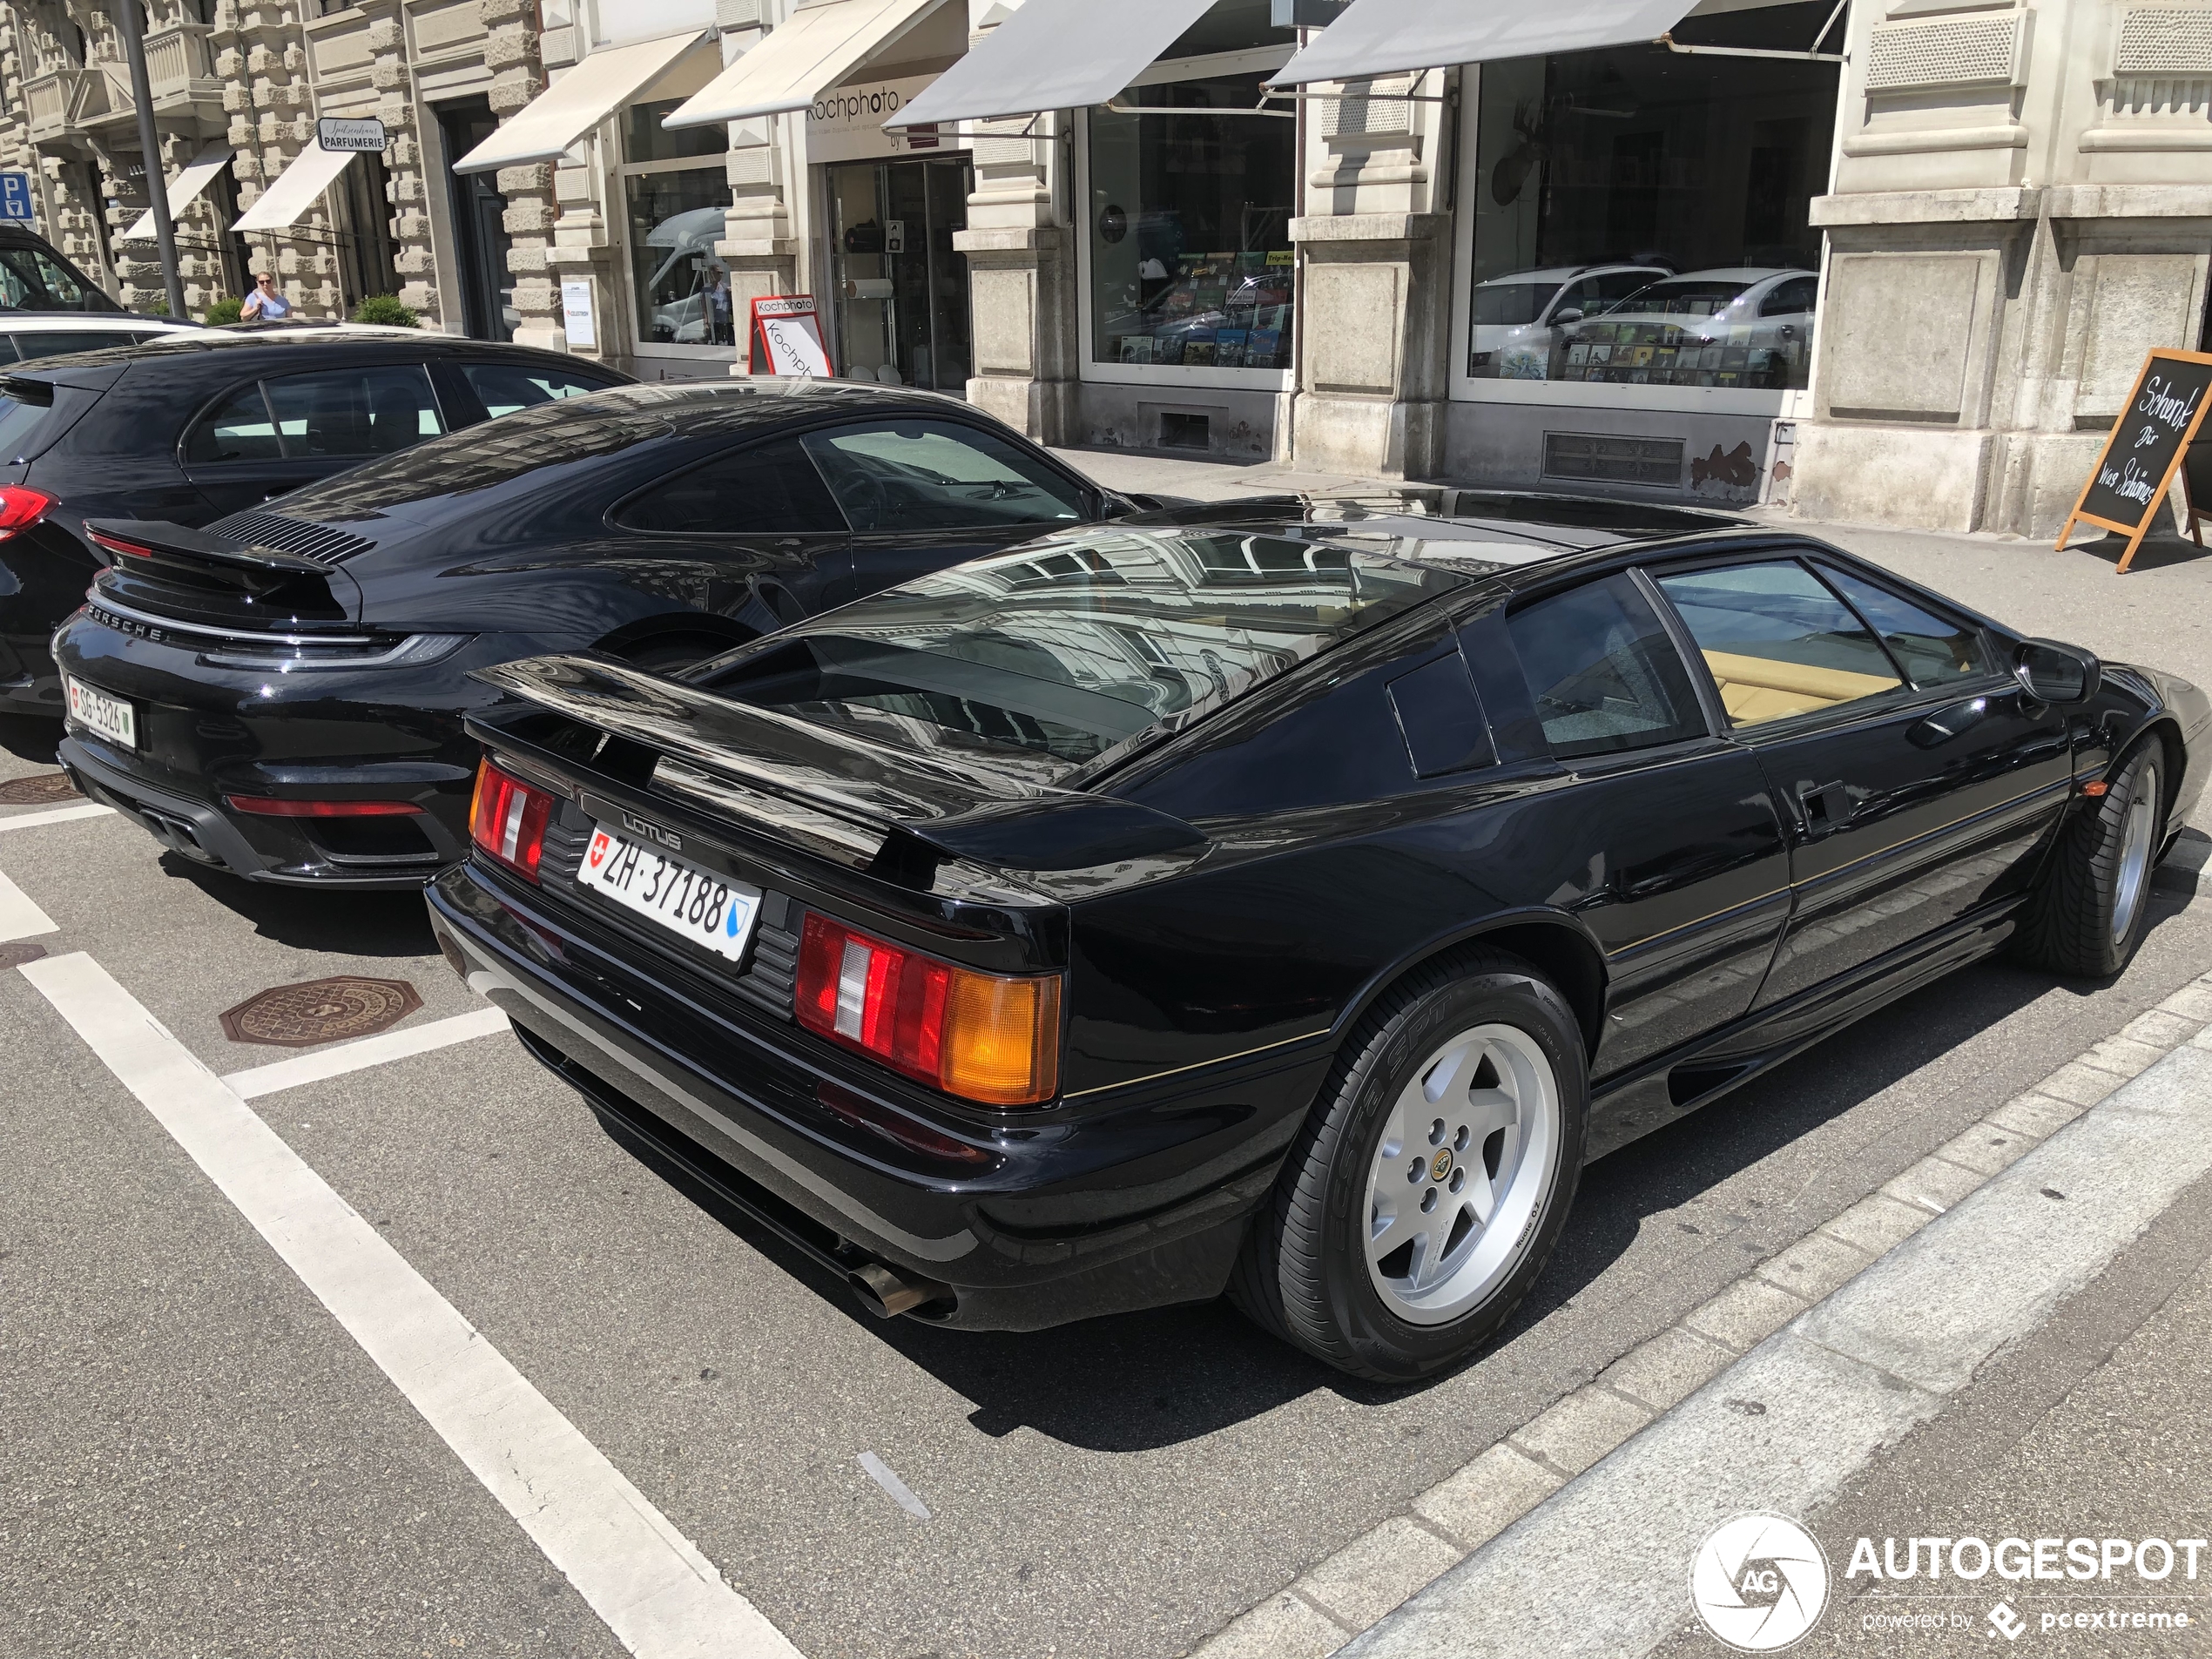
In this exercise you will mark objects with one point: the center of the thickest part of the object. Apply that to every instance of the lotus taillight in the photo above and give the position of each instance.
(20, 508)
(508, 817)
(982, 1036)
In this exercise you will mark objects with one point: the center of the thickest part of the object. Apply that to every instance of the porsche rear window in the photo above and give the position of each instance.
(1050, 658)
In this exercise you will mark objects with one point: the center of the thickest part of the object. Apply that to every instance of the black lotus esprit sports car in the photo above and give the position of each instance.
(282, 694)
(1202, 903)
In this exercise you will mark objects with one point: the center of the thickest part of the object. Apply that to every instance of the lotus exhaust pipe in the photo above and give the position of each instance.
(887, 1292)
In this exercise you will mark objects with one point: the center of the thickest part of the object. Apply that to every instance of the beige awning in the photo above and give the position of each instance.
(550, 124)
(818, 48)
(1390, 36)
(299, 187)
(183, 189)
(1054, 55)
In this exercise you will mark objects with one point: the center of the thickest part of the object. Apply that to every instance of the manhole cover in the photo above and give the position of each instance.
(15, 954)
(37, 789)
(320, 1010)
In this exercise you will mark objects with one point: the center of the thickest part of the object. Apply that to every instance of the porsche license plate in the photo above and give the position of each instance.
(112, 716)
(710, 910)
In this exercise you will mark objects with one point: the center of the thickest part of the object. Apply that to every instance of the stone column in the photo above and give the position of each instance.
(758, 248)
(1021, 281)
(1373, 282)
(511, 53)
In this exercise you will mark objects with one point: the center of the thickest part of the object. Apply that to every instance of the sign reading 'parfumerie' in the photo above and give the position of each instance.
(364, 136)
(2128, 484)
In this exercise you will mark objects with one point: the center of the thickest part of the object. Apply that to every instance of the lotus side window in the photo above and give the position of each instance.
(1931, 651)
(1602, 672)
(1778, 642)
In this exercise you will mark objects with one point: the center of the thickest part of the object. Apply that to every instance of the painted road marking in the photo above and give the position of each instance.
(902, 1493)
(659, 1595)
(256, 1081)
(1850, 1375)
(55, 815)
(19, 918)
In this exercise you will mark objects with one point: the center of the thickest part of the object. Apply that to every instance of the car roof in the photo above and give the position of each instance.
(18, 322)
(284, 348)
(1478, 531)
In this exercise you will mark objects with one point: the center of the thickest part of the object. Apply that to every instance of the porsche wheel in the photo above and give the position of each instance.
(1432, 1176)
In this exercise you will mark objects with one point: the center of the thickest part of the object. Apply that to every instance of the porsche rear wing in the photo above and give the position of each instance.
(170, 555)
(895, 815)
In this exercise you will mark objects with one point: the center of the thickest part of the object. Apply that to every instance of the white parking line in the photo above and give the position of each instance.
(19, 918)
(659, 1595)
(902, 1493)
(256, 1081)
(55, 815)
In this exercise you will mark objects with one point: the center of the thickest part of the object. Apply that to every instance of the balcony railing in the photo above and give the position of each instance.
(64, 100)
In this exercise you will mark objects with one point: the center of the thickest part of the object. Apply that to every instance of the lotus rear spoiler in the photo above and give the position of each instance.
(911, 810)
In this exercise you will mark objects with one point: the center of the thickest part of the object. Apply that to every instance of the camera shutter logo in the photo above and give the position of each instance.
(1759, 1582)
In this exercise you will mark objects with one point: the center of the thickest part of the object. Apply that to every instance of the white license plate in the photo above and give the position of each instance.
(708, 909)
(112, 716)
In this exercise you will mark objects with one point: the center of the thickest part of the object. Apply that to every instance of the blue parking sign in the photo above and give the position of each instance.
(15, 196)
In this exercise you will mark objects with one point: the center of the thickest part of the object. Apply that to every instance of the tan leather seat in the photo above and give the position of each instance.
(1755, 689)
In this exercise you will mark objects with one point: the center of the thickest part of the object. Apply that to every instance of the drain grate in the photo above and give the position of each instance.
(320, 1010)
(18, 951)
(37, 789)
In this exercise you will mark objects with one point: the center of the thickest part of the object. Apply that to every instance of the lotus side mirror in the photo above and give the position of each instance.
(2051, 671)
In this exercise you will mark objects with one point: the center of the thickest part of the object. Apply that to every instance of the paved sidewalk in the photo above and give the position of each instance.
(2159, 613)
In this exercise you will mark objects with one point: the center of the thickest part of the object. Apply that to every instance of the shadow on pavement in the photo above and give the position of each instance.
(2160, 549)
(28, 737)
(349, 924)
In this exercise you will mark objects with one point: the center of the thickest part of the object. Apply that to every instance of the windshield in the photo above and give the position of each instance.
(1048, 658)
(1508, 305)
(1683, 297)
(33, 279)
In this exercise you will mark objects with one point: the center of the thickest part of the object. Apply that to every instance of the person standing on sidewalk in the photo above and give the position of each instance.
(264, 304)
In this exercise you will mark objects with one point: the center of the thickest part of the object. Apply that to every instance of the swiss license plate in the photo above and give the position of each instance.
(112, 716)
(710, 910)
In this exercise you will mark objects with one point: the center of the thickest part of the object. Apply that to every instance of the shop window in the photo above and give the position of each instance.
(677, 195)
(365, 240)
(1641, 216)
(1190, 228)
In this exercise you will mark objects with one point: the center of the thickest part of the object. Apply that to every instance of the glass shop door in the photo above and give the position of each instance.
(900, 287)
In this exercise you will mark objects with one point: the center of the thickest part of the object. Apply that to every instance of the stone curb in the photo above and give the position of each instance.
(1338, 1597)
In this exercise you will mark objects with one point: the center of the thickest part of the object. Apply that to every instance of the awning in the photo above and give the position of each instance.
(1055, 55)
(817, 48)
(183, 189)
(1389, 37)
(299, 187)
(550, 124)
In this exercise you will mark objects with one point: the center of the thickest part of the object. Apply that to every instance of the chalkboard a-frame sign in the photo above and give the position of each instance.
(2127, 486)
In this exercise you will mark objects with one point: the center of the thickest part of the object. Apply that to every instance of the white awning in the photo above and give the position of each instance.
(1055, 55)
(550, 124)
(818, 48)
(299, 187)
(183, 189)
(1389, 37)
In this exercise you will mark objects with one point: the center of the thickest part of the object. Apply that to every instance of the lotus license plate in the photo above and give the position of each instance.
(112, 716)
(710, 910)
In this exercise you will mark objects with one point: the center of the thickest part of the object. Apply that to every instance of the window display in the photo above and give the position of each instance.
(1641, 216)
(1190, 211)
(677, 194)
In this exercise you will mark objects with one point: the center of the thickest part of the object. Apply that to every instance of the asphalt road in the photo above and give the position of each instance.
(201, 1461)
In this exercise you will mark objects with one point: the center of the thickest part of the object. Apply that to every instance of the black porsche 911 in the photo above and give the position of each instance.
(282, 694)
(1211, 903)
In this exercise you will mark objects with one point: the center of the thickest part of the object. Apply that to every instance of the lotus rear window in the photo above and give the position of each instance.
(1049, 658)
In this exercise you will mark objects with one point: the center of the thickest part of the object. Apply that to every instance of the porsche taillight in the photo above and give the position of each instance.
(986, 1037)
(507, 818)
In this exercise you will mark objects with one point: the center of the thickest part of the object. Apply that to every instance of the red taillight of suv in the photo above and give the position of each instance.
(982, 1036)
(507, 819)
(20, 508)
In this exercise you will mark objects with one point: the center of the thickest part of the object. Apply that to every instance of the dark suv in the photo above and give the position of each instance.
(191, 428)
